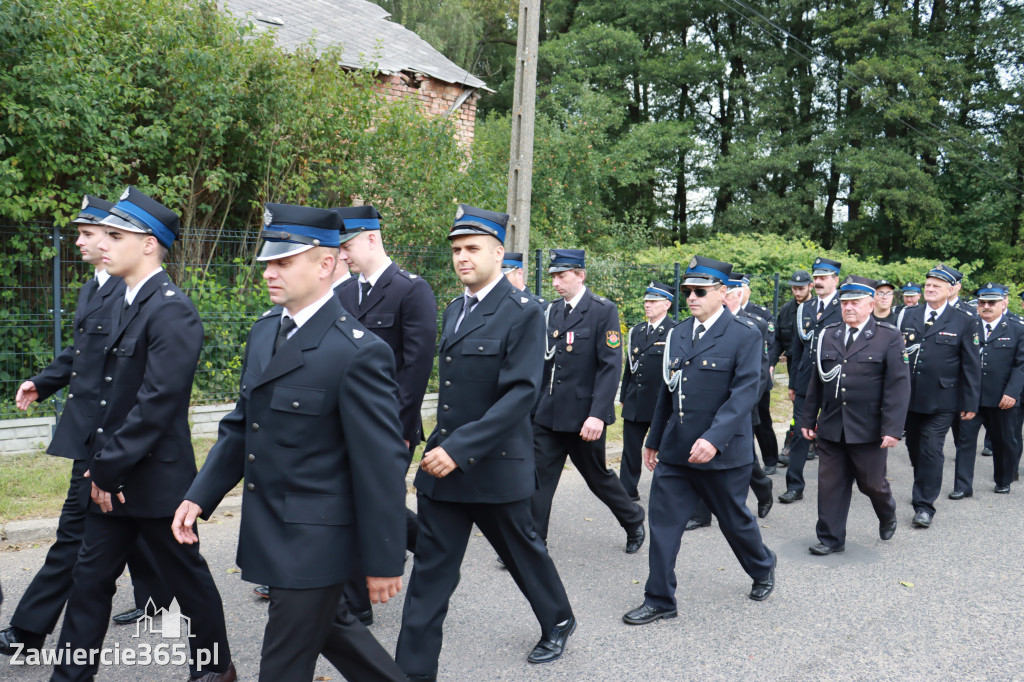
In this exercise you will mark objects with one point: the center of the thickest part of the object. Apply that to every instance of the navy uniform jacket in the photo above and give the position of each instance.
(719, 379)
(1002, 362)
(874, 385)
(401, 309)
(489, 373)
(639, 390)
(785, 330)
(142, 444)
(808, 321)
(315, 436)
(945, 362)
(580, 382)
(767, 330)
(757, 310)
(79, 368)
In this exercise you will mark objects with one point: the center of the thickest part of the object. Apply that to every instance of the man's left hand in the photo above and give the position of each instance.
(967, 416)
(889, 441)
(592, 429)
(102, 498)
(438, 463)
(702, 451)
(1006, 402)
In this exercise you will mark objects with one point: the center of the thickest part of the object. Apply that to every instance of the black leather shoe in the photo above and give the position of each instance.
(1003, 489)
(644, 614)
(770, 470)
(365, 617)
(262, 591)
(986, 452)
(635, 539)
(821, 549)
(12, 636)
(812, 452)
(790, 496)
(886, 529)
(922, 519)
(760, 590)
(959, 495)
(551, 647)
(783, 460)
(129, 617)
(228, 675)
(634, 498)
(764, 507)
(693, 524)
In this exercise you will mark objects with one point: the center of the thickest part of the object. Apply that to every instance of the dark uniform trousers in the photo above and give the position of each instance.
(926, 436)
(551, 448)
(633, 434)
(764, 432)
(108, 541)
(843, 463)
(760, 485)
(78, 367)
(142, 447)
(675, 492)
(1001, 426)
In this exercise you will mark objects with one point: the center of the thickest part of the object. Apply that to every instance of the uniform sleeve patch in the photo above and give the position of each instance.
(613, 339)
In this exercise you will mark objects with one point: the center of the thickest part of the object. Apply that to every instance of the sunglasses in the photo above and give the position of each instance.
(982, 304)
(699, 292)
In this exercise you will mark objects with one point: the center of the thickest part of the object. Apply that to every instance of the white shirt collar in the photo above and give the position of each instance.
(101, 277)
(710, 322)
(303, 316)
(337, 283)
(995, 323)
(130, 294)
(575, 300)
(486, 290)
(938, 313)
(654, 325)
(372, 279)
(828, 299)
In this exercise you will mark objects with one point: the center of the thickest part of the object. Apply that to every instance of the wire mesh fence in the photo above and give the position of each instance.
(41, 273)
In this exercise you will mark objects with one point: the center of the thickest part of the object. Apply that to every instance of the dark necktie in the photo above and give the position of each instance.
(365, 286)
(568, 309)
(468, 303)
(124, 308)
(988, 330)
(821, 308)
(89, 289)
(931, 318)
(287, 325)
(698, 332)
(850, 337)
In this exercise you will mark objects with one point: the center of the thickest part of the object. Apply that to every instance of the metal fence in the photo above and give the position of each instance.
(41, 273)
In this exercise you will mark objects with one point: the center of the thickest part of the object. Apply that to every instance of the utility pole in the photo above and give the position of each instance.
(524, 108)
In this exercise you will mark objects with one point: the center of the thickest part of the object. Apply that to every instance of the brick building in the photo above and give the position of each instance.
(405, 64)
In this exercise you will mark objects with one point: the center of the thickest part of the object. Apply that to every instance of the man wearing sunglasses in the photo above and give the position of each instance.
(701, 443)
(1002, 381)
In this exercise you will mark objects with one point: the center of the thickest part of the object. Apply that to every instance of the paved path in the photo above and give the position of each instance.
(959, 613)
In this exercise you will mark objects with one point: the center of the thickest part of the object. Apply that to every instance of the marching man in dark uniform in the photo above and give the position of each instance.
(79, 367)
(512, 267)
(478, 467)
(945, 379)
(583, 361)
(400, 308)
(760, 484)
(315, 437)
(785, 332)
(812, 316)
(701, 443)
(855, 408)
(141, 449)
(1002, 381)
(641, 379)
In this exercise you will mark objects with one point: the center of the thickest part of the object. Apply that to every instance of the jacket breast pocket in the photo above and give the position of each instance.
(379, 321)
(945, 340)
(715, 364)
(480, 359)
(481, 346)
(97, 325)
(1002, 343)
(583, 333)
(298, 400)
(830, 355)
(317, 510)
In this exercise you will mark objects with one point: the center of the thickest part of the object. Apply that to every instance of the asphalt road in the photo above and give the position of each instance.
(941, 603)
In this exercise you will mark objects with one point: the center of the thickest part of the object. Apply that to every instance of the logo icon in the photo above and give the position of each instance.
(168, 622)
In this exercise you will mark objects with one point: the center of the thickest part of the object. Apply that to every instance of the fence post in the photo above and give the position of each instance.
(775, 297)
(58, 398)
(675, 298)
(537, 271)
